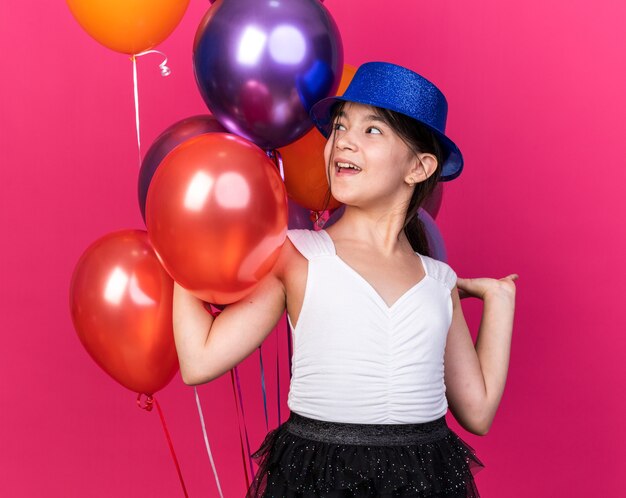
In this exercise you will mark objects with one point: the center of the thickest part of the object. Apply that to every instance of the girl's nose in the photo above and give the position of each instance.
(345, 141)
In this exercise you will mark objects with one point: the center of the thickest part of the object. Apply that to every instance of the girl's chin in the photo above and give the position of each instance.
(346, 198)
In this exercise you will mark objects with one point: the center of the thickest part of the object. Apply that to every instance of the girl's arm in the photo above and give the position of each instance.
(208, 347)
(475, 376)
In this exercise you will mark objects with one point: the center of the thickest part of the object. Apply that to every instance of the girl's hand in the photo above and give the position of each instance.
(486, 287)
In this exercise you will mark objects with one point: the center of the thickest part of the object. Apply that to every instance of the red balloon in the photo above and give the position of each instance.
(216, 214)
(163, 145)
(121, 306)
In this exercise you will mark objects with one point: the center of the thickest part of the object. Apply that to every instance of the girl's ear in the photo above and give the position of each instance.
(424, 165)
(429, 165)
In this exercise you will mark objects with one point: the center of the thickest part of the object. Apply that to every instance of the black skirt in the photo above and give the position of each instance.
(311, 458)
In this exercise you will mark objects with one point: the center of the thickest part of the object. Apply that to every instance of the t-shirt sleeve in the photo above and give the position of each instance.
(309, 243)
(449, 276)
(441, 271)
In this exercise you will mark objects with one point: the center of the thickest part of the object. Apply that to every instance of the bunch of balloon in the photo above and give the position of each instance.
(216, 207)
(120, 295)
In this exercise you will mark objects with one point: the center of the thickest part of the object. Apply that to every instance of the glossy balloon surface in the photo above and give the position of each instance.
(163, 145)
(121, 306)
(128, 26)
(217, 216)
(299, 217)
(261, 64)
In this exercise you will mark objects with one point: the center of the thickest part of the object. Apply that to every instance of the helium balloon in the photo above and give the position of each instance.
(304, 165)
(334, 215)
(432, 203)
(261, 64)
(216, 214)
(121, 306)
(170, 138)
(128, 26)
(433, 235)
(299, 217)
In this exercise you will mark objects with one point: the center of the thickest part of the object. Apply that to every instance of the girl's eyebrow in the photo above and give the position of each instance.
(370, 117)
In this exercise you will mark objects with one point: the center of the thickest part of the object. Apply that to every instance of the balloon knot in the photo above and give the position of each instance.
(214, 309)
(319, 219)
(148, 404)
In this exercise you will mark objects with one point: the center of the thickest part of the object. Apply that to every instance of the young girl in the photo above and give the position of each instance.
(375, 320)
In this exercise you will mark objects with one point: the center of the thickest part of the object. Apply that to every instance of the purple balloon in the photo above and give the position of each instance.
(435, 239)
(334, 215)
(165, 142)
(299, 217)
(261, 64)
(432, 203)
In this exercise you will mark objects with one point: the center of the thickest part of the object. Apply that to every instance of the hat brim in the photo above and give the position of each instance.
(321, 113)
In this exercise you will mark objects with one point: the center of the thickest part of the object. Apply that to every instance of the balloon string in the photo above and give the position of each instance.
(165, 71)
(289, 345)
(277, 158)
(278, 378)
(150, 399)
(243, 416)
(206, 442)
(243, 457)
(279, 163)
(136, 95)
(267, 427)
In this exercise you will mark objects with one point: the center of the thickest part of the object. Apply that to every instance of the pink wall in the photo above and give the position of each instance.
(536, 93)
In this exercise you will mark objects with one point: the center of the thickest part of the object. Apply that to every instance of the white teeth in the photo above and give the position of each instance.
(349, 166)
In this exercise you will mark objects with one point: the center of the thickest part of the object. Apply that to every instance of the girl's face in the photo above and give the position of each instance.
(366, 161)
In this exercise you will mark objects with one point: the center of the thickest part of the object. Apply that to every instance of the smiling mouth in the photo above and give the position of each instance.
(346, 167)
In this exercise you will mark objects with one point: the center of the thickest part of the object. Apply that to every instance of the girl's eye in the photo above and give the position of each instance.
(374, 130)
(338, 126)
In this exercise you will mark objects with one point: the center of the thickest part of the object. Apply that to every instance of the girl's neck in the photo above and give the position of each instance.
(377, 230)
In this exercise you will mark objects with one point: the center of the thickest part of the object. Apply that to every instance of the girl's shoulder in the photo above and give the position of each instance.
(439, 270)
(311, 243)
